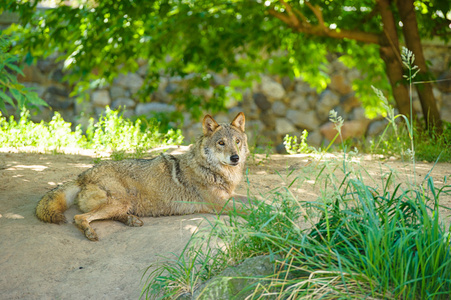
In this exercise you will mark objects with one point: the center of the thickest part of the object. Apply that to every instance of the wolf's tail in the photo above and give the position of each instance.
(55, 202)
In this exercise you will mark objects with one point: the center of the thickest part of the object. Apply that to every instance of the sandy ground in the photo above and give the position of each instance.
(48, 261)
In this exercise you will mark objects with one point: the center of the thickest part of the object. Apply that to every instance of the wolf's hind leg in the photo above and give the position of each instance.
(102, 212)
(130, 220)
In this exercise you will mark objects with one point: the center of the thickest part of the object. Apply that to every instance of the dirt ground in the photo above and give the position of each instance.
(48, 261)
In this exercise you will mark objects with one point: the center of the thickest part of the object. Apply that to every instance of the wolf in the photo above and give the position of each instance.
(202, 180)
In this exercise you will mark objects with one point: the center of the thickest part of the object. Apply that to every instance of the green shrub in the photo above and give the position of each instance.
(111, 132)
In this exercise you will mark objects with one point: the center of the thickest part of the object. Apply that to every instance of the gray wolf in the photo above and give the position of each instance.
(201, 180)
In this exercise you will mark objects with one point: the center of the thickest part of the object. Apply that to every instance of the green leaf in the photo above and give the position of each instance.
(6, 98)
(16, 94)
(33, 98)
(2, 106)
(15, 68)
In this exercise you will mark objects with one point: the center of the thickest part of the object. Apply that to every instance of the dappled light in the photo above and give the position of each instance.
(133, 125)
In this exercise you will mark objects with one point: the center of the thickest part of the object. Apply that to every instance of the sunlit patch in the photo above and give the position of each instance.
(191, 228)
(51, 183)
(38, 168)
(13, 216)
(81, 165)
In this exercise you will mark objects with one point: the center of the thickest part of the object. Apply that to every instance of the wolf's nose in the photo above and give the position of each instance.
(234, 158)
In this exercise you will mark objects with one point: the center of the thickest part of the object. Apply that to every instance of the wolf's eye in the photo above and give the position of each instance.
(221, 143)
(237, 141)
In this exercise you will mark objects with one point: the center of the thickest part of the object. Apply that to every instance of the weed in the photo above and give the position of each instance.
(292, 146)
(257, 151)
(111, 132)
(378, 241)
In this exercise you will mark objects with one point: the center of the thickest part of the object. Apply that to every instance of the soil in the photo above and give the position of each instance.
(48, 261)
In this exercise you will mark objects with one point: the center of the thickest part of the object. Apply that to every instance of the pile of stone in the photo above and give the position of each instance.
(274, 106)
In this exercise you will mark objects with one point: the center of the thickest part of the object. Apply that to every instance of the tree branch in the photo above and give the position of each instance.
(302, 25)
(318, 13)
(294, 20)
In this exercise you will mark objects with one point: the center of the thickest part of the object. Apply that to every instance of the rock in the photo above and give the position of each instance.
(222, 118)
(445, 112)
(350, 129)
(236, 282)
(349, 102)
(444, 82)
(300, 102)
(33, 74)
(57, 98)
(83, 107)
(142, 71)
(253, 129)
(272, 89)
(287, 84)
(327, 101)
(57, 75)
(314, 138)
(303, 88)
(376, 127)
(249, 107)
(100, 98)
(269, 119)
(305, 120)
(160, 96)
(171, 87)
(340, 84)
(117, 92)
(261, 101)
(99, 110)
(46, 65)
(284, 126)
(123, 103)
(279, 108)
(153, 107)
(39, 89)
(280, 149)
(358, 113)
(131, 81)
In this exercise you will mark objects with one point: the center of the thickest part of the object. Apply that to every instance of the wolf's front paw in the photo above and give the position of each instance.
(91, 234)
(134, 221)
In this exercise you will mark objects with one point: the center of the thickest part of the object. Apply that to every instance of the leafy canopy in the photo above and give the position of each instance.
(10, 88)
(100, 39)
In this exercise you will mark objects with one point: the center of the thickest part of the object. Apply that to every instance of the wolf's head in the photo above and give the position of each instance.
(225, 143)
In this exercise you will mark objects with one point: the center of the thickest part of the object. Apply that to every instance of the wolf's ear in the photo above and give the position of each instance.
(239, 121)
(209, 125)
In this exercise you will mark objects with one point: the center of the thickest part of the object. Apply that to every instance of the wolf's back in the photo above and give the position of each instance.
(55, 202)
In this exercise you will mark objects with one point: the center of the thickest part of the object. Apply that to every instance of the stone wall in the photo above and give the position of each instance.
(274, 106)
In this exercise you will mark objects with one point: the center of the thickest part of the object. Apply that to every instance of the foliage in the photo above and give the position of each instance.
(11, 91)
(429, 146)
(111, 132)
(122, 134)
(292, 146)
(355, 241)
(100, 39)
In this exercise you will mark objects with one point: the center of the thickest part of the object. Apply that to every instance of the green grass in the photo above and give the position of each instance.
(355, 241)
(110, 132)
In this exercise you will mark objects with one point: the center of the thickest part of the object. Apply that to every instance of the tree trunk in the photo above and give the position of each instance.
(389, 52)
(412, 38)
